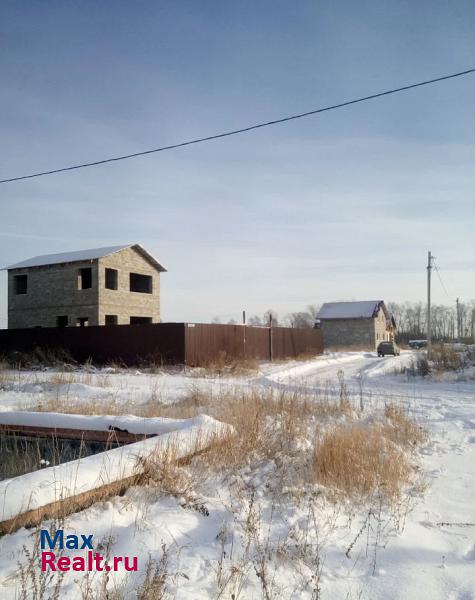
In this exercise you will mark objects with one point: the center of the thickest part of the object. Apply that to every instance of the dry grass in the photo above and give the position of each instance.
(5, 376)
(67, 405)
(445, 357)
(55, 357)
(266, 423)
(191, 405)
(401, 429)
(354, 459)
(155, 583)
(67, 378)
(188, 407)
(35, 584)
(304, 356)
(166, 472)
(359, 461)
(224, 364)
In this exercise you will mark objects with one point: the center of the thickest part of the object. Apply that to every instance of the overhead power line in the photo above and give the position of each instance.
(243, 129)
(437, 270)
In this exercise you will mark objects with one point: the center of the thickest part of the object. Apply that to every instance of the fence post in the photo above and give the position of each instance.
(271, 354)
(244, 331)
(185, 347)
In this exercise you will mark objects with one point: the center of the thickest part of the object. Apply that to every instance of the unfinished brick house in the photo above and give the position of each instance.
(101, 286)
(358, 325)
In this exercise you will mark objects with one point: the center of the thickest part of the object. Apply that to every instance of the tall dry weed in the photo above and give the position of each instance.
(401, 428)
(360, 461)
(224, 364)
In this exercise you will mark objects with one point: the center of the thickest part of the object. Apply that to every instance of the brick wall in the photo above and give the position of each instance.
(357, 333)
(122, 302)
(53, 292)
(380, 331)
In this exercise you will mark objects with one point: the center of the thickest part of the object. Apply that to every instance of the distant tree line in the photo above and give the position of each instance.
(446, 322)
(302, 319)
(411, 320)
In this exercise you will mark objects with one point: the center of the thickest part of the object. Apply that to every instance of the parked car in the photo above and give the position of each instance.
(388, 348)
(416, 344)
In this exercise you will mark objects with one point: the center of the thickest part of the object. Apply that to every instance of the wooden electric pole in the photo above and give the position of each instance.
(271, 349)
(457, 303)
(430, 258)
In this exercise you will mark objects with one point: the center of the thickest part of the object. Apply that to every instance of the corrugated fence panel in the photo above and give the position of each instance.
(257, 342)
(131, 344)
(289, 342)
(205, 342)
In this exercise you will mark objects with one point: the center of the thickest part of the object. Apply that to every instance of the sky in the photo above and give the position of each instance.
(339, 206)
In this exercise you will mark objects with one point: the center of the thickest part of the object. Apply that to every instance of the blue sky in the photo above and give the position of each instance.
(343, 205)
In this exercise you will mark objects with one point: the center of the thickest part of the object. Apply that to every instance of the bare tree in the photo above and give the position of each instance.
(411, 320)
(303, 319)
(255, 320)
(267, 317)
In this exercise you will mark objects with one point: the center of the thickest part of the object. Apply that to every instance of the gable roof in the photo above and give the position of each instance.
(365, 309)
(81, 255)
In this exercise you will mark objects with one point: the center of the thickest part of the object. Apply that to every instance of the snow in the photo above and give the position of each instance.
(64, 257)
(349, 310)
(79, 255)
(428, 551)
(130, 423)
(33, 490)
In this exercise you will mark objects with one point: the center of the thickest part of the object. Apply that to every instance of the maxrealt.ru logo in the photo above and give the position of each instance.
(91, 561)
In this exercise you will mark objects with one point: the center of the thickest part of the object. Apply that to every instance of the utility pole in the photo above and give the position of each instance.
(430, 259)
(271, 349)
(457, 304)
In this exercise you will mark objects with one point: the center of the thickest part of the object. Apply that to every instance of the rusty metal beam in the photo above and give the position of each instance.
(120, 437)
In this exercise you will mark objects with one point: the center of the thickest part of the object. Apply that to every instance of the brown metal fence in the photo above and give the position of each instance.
(166, 343)
(130, 344)
(203, 342)
(288, 342)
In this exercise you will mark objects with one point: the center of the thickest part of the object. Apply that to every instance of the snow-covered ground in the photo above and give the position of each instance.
(426, 550)
(44, 486)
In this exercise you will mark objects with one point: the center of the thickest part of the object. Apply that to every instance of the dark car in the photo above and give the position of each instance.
(388, 348)
(417, 344)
